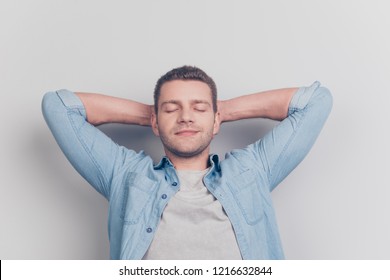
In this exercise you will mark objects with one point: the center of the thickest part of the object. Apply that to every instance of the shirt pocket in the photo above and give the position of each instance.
(138, 191)
(247, 195)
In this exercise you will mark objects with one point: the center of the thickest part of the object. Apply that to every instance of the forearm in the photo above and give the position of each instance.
(271, 104)
(107, 109)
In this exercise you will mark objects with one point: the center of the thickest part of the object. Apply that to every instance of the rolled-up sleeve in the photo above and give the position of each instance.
(93, 154)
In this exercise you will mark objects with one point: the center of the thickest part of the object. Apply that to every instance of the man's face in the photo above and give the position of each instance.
(186, 122)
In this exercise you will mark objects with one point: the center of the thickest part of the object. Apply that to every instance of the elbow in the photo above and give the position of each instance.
(47, 103)
(325, 100)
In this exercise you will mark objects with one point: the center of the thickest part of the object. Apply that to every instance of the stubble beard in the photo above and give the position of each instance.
(198, 147)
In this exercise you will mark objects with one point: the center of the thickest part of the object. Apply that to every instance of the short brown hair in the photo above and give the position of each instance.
(186, 73)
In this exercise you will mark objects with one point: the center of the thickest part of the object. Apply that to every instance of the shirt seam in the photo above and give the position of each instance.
(69, 112)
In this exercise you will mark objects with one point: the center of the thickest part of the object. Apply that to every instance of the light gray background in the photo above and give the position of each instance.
(335, 205)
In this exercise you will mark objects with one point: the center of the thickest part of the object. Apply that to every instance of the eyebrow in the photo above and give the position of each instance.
(169, 102)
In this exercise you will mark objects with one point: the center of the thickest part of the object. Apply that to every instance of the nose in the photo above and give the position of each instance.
(186, 116)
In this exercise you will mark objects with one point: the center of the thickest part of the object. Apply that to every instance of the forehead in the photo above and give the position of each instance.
(185, 91)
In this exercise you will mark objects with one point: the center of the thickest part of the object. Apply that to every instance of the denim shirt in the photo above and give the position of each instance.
(138, 190)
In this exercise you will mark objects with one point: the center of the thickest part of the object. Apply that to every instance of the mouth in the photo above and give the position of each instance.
(186, 132)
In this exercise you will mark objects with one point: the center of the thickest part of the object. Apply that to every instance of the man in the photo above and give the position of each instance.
(190, 205)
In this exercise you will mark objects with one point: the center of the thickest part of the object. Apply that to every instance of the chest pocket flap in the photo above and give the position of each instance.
(247, 194)
(138, 191)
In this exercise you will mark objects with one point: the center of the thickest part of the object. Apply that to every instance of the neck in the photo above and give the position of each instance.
(197, 162)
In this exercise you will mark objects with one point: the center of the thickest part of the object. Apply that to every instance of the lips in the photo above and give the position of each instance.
(186, 132)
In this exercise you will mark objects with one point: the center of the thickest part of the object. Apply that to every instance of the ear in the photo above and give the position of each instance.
(217, 123)
(153, 121)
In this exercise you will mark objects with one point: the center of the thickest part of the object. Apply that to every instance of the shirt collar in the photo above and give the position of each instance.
(213, 159)
(163, 162)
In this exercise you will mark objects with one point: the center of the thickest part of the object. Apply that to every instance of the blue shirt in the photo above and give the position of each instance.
(138, 190)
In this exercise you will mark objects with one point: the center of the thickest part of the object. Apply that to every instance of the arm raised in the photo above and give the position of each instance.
(108, 109)
(302, 111)
(272, 104)
(72, 118)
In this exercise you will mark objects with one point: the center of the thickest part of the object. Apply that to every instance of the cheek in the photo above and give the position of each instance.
(209, 124)
(164, 124)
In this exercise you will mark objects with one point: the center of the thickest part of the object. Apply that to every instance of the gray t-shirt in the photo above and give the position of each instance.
(194, 225)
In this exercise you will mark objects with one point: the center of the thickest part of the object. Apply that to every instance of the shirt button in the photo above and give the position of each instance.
(149, 230)
(174, 184)
(164, 196)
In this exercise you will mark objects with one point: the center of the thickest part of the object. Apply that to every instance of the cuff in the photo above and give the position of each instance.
(302, 97)
(70, 99)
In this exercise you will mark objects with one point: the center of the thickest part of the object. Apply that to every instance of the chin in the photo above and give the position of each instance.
(187, 153)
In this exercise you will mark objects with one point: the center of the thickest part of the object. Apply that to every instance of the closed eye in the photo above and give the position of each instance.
(201, 107)
(170, 107)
